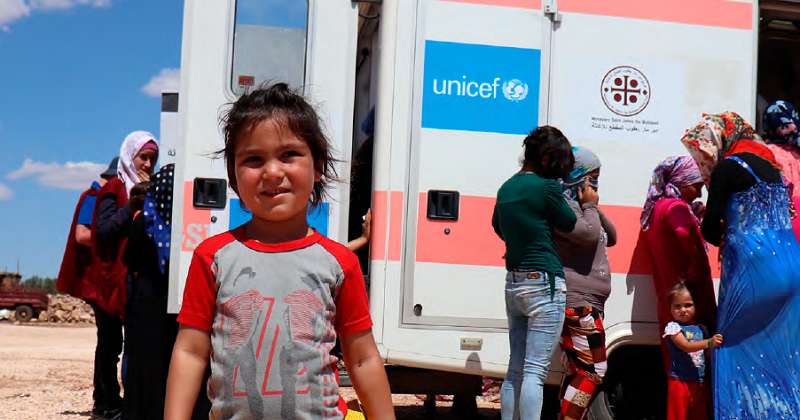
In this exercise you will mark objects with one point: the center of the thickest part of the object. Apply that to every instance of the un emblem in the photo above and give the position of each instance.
(515, 90)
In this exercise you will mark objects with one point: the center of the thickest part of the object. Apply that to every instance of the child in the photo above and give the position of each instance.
(687, 347)
(267, 300)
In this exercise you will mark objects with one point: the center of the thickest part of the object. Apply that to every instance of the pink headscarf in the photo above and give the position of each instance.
(672, 173)
(131, 147)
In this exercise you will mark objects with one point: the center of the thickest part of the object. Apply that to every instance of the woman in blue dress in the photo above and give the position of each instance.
(755, 372)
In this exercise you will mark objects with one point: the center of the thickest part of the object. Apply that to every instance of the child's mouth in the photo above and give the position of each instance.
(274, 193)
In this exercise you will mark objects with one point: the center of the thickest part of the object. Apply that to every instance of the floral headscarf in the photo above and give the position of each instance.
(781, 123)
(671, 174)
(585, 162)
(716, 136)
(132, 145)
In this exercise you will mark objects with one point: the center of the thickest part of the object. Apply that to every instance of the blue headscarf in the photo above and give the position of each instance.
(781, 115)
(158, 213)
(585, 162)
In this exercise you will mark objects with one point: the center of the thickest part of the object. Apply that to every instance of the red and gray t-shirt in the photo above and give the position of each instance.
(274, 311)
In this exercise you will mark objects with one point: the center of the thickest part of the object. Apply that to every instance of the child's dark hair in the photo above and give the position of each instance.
(678, 290)
(288, 109)
(550, 142)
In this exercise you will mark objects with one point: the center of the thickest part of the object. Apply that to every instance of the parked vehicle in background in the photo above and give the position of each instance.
(26, 302)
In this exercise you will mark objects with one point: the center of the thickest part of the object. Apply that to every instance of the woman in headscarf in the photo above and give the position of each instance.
(756, 368)
(588, 278)
(671, 230)
(112, 219)
(780, 123)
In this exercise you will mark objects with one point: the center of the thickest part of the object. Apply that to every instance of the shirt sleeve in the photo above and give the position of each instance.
(611, 231)
(112, 223)
(199, 296)
(86, 213)
(673, 328)
(560, 214)
(352, 305)
(496, 223)
(587, 224)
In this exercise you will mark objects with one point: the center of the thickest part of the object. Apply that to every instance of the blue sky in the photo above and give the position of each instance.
(76, 77)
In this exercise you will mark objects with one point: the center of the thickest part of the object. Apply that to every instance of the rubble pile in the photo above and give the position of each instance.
(65, 308)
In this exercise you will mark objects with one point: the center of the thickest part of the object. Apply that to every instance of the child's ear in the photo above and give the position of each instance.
(317, 176)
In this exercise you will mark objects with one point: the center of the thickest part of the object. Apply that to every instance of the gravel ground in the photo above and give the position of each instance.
(46, 374)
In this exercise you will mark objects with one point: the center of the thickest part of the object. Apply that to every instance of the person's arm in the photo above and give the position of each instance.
(366, 231)
(559, 213)
(683, 224)
(186, 370)
(687, 346)
(112, 222)
(365, 368)
(713, 227)
(83, 235)
(496, 223)
(611, 231)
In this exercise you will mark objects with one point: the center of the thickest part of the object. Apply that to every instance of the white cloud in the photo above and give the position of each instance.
(68, 176)
(5, 192)
(12, 10)
(167, 79)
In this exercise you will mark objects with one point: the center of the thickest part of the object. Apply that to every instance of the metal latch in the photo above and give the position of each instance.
(210, 193)
(550, 8)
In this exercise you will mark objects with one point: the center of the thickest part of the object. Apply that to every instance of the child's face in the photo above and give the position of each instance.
(275, 172)
(683, 308)
(145, 160)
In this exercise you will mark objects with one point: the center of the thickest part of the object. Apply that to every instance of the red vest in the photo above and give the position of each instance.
(108, 271)
(73, 278)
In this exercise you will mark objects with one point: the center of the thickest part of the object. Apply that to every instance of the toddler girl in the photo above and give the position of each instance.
(688, 346)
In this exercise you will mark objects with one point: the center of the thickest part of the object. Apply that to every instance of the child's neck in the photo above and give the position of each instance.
(270, 232)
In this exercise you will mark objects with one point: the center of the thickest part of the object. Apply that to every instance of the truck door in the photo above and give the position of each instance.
(480, 86)
(233, 46)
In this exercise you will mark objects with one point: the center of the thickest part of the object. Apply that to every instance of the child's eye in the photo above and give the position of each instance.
(251, 159)
(292, 153)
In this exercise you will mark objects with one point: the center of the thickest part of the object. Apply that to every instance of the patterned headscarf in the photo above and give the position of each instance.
(669, 175)
(781, 115)
(131, 147)
(585, 162)
(158, 213)
(714, 137)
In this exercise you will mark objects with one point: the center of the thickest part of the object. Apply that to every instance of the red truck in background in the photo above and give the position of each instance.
(26, 302)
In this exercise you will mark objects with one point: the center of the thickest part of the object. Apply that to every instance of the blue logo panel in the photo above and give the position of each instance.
(318, 219)
(481, 88)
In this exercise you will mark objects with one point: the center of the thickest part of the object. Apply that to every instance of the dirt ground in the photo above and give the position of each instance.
(46, 374)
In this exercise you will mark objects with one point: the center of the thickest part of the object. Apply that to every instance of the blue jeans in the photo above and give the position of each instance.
(535, 320)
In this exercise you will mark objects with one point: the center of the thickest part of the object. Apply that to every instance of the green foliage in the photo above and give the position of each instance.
(46, 283)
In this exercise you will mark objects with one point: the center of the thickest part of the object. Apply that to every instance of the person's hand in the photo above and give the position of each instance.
(715, 341)
(699, 210)
(144, 176)
(366, 227)
(588, 194)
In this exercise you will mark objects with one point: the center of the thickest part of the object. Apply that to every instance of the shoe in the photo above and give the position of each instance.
(98, 414)
(115, 414)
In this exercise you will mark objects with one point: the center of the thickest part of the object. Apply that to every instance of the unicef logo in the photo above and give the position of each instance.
(515, 90)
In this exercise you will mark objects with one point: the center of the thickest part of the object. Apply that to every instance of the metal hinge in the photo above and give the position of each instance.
(550, 8)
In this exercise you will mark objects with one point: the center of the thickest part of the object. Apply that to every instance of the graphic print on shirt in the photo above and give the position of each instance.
(245, 311)
(310, 342)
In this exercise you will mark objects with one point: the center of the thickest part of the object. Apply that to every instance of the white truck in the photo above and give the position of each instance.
(456, 85)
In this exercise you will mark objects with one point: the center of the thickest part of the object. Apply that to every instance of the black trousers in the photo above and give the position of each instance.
(106, 357)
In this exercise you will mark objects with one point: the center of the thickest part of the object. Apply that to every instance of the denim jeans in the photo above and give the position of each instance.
(535, 319)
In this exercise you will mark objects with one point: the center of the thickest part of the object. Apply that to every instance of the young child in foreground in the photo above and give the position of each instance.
(266, 301)
(688, 348)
